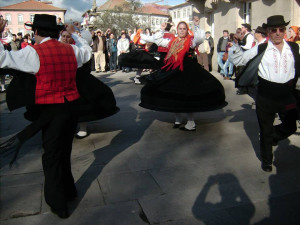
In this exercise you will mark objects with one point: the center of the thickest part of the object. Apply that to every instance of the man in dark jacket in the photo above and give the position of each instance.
(212, 47)
(99, 50)
(221, 48)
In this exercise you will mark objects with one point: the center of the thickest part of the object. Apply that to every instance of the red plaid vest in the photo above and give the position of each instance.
(170, 36)
(56, 78)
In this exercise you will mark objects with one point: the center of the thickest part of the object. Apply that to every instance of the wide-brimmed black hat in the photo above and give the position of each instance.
(45, 21)
(248, 26)
(275, 21)
(260, 30)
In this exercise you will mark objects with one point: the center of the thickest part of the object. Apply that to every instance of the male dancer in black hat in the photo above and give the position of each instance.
(278, 71)
(54, 66)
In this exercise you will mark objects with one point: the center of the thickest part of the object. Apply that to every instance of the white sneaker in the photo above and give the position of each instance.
(137, 81)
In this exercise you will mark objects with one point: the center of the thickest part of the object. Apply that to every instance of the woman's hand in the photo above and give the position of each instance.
(163, 26)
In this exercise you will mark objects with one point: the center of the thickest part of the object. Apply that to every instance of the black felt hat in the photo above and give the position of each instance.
(275, 21)
(260, 30)
(248, 26)
(45, 21)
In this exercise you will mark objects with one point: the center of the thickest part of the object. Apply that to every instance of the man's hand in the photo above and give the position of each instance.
(70, 28)
(163, 26)
(196, 20)
(3, 23)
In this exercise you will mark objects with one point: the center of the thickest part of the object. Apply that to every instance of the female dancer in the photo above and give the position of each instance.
(182, 86)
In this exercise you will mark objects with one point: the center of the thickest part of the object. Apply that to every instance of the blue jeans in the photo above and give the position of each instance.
(220, 61)
(226, 65)
(113, 61)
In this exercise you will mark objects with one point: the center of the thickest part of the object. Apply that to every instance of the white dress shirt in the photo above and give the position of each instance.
(275, 66)
(249, 41)
(27, 59)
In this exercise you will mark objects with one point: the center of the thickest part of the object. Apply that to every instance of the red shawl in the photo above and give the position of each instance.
(177, 49)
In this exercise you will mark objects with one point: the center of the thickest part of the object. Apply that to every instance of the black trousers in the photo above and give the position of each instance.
(266, 110)
(57, 137)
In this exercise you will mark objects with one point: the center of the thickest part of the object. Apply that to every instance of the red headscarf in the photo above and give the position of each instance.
(295, 29)
(177, 49)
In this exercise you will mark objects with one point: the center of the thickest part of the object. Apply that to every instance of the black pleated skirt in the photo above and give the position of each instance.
(191, 90)
(139, 59)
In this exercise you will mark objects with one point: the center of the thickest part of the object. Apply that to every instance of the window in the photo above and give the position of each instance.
(184, 13)
(174, 15)
(20, 19)
(8, 18)
(153, 21)
(247, 12)
(32, 17)
(157, 22)
(212, 24)
(178, 14)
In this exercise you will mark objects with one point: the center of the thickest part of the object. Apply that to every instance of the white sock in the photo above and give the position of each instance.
(2, 87)
(82, 133)
(82, 129)
(190, 123)
(178, 118)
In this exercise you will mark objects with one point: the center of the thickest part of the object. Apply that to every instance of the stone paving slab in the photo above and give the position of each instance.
(122, 213)
(128, 186)
(20, 201)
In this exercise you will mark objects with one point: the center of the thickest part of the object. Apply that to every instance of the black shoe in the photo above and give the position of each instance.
(72, 196)
(3, 91)
(241, 92)
(266, 167)
(61, 214)
(185, 129)
(176, 125)
(274, 142)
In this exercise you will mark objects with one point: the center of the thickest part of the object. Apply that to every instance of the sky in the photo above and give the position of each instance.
(75, 8)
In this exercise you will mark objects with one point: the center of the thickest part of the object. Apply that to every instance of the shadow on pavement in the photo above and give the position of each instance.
(284, 185)
(231, 198)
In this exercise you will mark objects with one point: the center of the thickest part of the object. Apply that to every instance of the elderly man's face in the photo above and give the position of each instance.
(276, 34)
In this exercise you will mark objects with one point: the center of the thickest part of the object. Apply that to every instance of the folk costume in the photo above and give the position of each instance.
(278, 74)
(138, 58)
(54, 65)
(161, 50)
(182, 85)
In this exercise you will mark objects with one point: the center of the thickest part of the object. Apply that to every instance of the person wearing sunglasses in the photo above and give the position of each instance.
(277, 64)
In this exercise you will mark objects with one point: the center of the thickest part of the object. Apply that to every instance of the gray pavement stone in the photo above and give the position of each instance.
(22, 179)
(122, 213)
(28, 163)
(128, 186)
(20, 201)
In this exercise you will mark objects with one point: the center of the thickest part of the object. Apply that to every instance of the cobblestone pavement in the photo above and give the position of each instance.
(134, 168)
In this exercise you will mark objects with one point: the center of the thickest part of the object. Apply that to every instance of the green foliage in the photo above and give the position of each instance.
(119, 18)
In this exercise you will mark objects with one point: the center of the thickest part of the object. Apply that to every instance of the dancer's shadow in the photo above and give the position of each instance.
(284, 185)
(132, 126)
(228, 209)
(250, 125)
